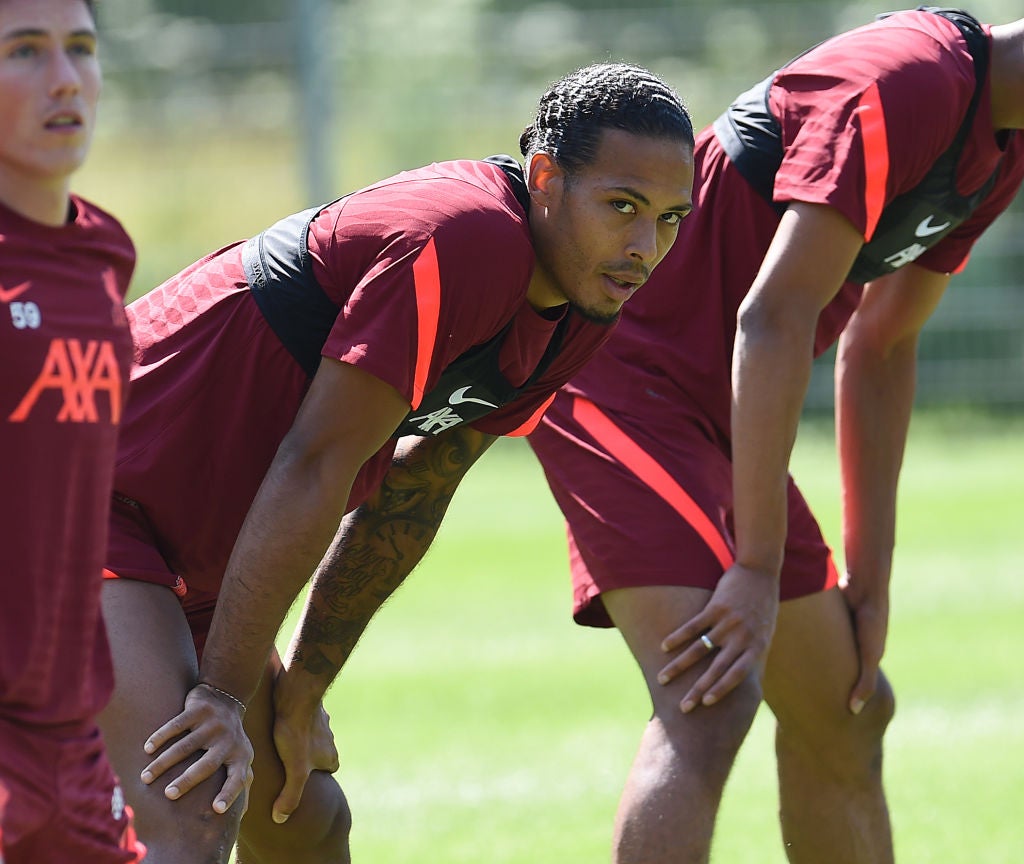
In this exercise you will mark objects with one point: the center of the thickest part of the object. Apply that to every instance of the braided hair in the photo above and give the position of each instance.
(576, 109)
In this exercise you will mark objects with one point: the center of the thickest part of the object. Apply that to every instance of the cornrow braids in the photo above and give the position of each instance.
(575, 110)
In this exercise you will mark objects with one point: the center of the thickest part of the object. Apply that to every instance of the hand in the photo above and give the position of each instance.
(739, 619)
(870, 614)
(213, 723)
(304, 742)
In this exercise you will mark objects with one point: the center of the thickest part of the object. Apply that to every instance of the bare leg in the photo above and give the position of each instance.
(668, 808)
(830, 761)
(155, 665)
(317, 832)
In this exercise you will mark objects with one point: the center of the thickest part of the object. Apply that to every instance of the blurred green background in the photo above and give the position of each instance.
(476, 722)
(219, 118)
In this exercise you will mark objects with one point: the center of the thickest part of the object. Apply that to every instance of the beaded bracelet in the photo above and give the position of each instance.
(225, 693)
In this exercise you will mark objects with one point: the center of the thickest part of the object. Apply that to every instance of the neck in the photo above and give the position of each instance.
(1007, 76)
(46, 203)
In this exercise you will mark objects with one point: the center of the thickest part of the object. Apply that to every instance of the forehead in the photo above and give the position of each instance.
(57, 17)
(659, 168)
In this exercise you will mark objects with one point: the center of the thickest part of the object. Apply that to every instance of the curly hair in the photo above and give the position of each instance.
(576, 109)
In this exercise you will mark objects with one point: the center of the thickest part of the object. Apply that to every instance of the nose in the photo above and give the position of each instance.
(65, 79)
(643, 242)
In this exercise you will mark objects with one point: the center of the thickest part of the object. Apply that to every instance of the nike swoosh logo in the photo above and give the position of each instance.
(926, 228)
(459, 396)
(9, 294)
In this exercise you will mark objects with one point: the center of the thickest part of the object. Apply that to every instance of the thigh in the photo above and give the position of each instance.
(155, 666)
(644, 616)
(707, 737)
(812, 662)
(645, 504)
(808, 566)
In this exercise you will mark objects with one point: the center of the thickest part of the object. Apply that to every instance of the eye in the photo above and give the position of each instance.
(624, 206)
(673, 218)
(23, 51)
(82, 48)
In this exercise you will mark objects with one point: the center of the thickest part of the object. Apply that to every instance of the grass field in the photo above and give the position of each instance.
(477, 724)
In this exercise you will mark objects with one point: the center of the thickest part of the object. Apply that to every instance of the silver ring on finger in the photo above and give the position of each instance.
(706, 640)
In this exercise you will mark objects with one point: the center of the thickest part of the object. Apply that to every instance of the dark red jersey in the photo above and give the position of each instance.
(65, 351)
(422, 267)
(913, 75)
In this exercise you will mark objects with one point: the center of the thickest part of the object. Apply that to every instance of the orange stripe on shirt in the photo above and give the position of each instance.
(644, 466)
(531, 424)
(427, 279)
(875, 141)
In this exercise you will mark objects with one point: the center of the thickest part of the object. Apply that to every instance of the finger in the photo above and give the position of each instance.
(291, 795)
(724, 675)
(174, 754)
(238, 781)
(327, 760)
(689, 631)
(683, 661)
(200, 770)
(171, 729)
(248, 785)
(865, 687)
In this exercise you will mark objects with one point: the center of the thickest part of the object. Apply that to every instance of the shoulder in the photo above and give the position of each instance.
(99, 224)
(100, 236)
(913, 60)
(460, 196)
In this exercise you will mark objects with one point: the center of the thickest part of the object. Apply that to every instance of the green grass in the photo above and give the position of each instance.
(477, 723)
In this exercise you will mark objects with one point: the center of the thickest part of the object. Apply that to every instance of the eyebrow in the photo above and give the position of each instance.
(36, 33)
(643, 199)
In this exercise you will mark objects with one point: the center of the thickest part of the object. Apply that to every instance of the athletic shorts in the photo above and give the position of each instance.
(63, 802)
(650, 503)
(132, 553)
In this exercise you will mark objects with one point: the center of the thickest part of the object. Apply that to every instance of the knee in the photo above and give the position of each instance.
(845, 745)
(187, 829)
(317, 833)
(708, 737)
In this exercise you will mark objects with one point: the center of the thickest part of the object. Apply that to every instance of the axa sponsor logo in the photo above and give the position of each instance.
(445, 418)
(79, 371)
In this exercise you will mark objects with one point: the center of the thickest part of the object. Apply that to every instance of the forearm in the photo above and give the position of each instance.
(375, 549)
(874, 399)
(876, 368)
(285, 534)
(772, 366)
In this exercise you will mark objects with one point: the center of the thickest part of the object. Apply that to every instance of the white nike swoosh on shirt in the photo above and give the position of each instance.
(926, 228)
(459, 396)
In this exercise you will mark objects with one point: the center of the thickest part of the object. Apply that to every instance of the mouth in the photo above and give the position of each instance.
(621, 289)
(64, 121)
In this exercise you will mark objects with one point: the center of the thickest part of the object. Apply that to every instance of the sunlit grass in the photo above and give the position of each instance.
(477, 723)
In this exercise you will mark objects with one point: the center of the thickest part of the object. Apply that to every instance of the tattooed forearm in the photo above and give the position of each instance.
(379, 544)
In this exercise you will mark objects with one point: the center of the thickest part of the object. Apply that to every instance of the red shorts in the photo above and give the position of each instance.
(63, 801)
(650, 503)
(132, 553)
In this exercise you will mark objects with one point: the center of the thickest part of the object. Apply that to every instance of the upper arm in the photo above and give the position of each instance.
(347, 416)
(804, 268)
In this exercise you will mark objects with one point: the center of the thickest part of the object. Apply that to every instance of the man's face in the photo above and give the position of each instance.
(600, 232)
(49, 87)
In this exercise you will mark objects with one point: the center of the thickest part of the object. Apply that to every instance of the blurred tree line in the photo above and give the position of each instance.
(215, 112)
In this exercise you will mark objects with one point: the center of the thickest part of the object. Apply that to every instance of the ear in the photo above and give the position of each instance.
(545, 179)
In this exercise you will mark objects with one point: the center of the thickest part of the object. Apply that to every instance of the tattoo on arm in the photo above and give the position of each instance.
(380, 543)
